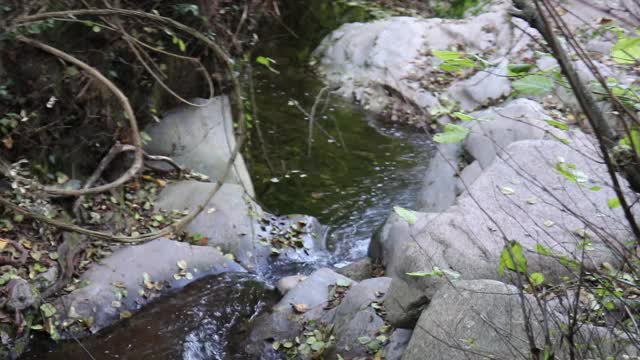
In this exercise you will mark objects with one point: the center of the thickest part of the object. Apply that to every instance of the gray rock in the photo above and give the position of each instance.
(472, 320)
(202, 139)
(355, 317)
(404, 304)
(363, 61)
(289, 282)
(482, 89)
(438, 190)
(358, 270)
(47, 278)
(467, 176)
(540, 207)
(20, 295)
(237, 225)
(495, 129)
(117, 283)
(283, 323)
(398, 342)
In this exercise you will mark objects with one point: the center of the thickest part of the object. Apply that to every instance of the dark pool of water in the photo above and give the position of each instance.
(204, 321)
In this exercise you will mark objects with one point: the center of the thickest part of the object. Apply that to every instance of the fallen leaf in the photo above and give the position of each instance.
(507, 190)
(182, 264)
(300, 308)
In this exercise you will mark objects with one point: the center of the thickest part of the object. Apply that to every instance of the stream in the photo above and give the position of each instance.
(358, 169)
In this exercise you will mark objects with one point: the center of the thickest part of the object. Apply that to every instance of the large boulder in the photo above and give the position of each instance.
(237, 225)
(474, 320)
(494, 129)
(375, 62)
(200, 138)
(358, 316)
(547, 196)
(133, 276)
(285, 322)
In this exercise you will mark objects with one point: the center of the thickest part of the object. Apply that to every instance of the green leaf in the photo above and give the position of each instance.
(513, 258)
(452, 134)
(48, 310)
(516, 69)
(613, 203)
(632, 141)
(542, 250)
(626, 50)
(435, 272)
(262, 60)
(534, 84)
(364, 340)
(558, 124)
(343, 282)
(536, 279)
(407, 215)
(463, 116)
(446, 55)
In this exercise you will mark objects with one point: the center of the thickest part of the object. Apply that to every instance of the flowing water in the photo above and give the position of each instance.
(359, 167)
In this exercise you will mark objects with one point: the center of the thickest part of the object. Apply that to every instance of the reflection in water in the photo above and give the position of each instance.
(205, 321)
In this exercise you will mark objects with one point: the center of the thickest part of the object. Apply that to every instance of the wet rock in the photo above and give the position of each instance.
(202, 139)
(20, 295)
(119, 283)
(237, 225)
(528, 199)
(357, 317)
(284, 322)
(287, 283)
(358, 270)
(398, 342)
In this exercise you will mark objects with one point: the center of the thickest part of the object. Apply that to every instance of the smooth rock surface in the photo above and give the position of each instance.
(283, 323)
(202, 139)
(531, 202)
(122, 273)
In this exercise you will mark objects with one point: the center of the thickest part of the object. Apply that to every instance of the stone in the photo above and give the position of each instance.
(283, 322)
(118, 282)
(289, 282)
(482, 89)
(385, 62)
(493, 130)
(358, 270)
(20, 295)
(472, 320)
(237, 225)
(398, 342)
(202, 139)
(529, 201)
(438, 189)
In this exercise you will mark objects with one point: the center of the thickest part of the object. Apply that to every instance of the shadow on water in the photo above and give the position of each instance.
(358, 170)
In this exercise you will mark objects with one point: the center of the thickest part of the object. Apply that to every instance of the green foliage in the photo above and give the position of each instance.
(436, 272)
(626, 50)
(407, 215)
(512, 258)
(519, 69)
(613, 203)
(184, 9)
(534, 84)
(536, 279)
(633, 139)
(558, 124)
(452, 134)
(454, 61)
(266, 62)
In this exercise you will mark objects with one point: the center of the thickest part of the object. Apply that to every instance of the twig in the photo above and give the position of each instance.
(135, 133)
